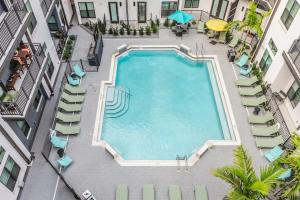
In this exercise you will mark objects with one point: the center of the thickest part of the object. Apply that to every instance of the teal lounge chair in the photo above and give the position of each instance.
(72, 98)
(254, 101)
(274, 153)
(200, 192)
(72, 81)
(65, 161)
(74, 90)
(78, 71)
(174, 192)
(67, 118)
(245, 72)
(285, 175)
(122, 192)
(58, 142)
(222, 37)
(243, 60)
(265, 131)
(69, 107)
(234, 42)
(246, 82)
(148, 192)
(260, 119)
(201, 27)
(250, 91)
(269, 142)
(67, 129)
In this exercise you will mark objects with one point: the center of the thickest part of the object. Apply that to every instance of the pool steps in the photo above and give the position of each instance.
(117, 102)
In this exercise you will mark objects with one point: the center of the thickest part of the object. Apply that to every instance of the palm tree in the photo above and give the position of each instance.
(245, 184)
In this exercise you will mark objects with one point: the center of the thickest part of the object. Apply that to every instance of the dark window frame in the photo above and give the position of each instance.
(191, 4)
(292, 94)
(263, 64)
(37, 100)
(2, 153)
(138, 11)
(53, 26)
(117, 10)
(13, 174)
(89, 13)
(49, 67)
(289, 17)
(25, 129)
(273, 46)
(170, 10)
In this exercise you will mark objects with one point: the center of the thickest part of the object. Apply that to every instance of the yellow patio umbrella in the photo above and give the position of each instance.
(216, 25)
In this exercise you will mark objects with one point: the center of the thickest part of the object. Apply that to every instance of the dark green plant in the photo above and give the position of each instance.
(87, 24)
(69, 42)
(115, 31)
(166, 22)
(110, 31)
(100, 26)
(104, 25)
(148, 30)
(141, 31)
(72, 37)
(152, 24)
(128, 31)
(194, 22)
(154, 29)
(157, 22)
(173, 23)
(134, 31)
(122, 31)
(67, 54)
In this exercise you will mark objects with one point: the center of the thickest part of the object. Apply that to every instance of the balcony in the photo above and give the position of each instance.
(12, 21)
(265, 5)
(21, 85)
(46, 5)
(292, 59)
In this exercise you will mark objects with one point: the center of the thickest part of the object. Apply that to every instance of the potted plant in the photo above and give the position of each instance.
(110, 31)
(122, 31)
(154, 29)
(128, 31)
(166, 23)
(141, 31)
(134, 31)
(148, 30)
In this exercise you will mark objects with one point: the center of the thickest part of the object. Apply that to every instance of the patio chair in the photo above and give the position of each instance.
(210, 34)
(234, 42)
(243, 60)
(268, 142)
(254, 101)
(245, 72)
(65, 161)
(74, 90)
(122, 192)
(69, 107)
(274, 153)
(148, 192)
(58, 142)
(246, 82)
(222, 37)
(67, 118)
(72, 81)
(67, 129)
(260, 119)
(78, 71)
(200, 192)
(72, 98)
(250, 91)
(285, 175)
(174, 192)
(265, 131)
(201, 27)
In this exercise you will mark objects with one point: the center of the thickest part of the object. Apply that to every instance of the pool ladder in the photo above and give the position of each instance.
(182, 158)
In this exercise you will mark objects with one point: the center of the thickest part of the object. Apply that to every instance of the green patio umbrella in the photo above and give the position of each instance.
(181, 17)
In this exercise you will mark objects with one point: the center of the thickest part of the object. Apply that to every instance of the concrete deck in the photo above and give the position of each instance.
(94, 169)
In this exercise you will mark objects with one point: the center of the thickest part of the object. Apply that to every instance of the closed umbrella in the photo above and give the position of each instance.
(181, 17)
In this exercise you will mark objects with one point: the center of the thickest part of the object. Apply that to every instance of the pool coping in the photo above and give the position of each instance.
(182, 49)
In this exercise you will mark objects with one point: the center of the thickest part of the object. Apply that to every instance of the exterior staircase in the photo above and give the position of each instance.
(117, 101)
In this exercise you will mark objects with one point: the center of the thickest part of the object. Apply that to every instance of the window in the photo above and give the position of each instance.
(113, 12)
(294, 94)
(265, 62)
(33, 21)
(191, 3)
(273, 47)
(10, 173)
(142, 12)
(87, 9)
(219, 8)
(37, 99)
(168, 7)
(289, 13)
(49, 67)
(2, 153)
(52, 23)
(24, 127)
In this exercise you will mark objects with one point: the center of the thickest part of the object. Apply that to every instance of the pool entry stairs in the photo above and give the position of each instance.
(117, 101)
(180, 159)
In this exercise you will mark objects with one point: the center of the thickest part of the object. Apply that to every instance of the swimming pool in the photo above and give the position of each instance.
(162, 104)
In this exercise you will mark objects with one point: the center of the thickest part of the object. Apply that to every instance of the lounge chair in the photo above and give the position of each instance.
(79, 71)
(122, 192)
(72, 98)
(246, 82)
(285, 175)
(69, 107)
(265, 131)
(250, 91)
(222, 37)
(243, 60)
(234, 41)
(260, 119)
(245, 72)
(148, 192)
(201, 27)
(210, 34)
(72, 81)
(67, 129)
(58, 142)
(268, 142)
(274, 153)
(254, 101)
(65, 161)
(201, 192)
(74, 90)
(174, 192)
(67, 118)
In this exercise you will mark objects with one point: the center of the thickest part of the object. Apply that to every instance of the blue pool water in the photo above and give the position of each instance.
(174, 106)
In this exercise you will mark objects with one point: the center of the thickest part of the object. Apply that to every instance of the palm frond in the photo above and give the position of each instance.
(228, 175)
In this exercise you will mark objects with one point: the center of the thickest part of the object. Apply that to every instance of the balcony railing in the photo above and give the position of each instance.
(10, 24)
(46, 5)
(18, 106)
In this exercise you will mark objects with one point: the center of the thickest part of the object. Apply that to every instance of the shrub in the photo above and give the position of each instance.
(72, 37)
(87, 24)
(166, 23)
(157, 22)
(173, 23)
(134, 31)
(122, 31)
(69, 42)
(141, 31)
(154, 29)
(194, 22)
(67, 54)
(110, 31)
(128, 31)
(152, 23)
(115, 31)
(148, 30)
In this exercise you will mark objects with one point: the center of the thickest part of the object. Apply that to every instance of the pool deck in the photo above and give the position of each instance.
(94, 169)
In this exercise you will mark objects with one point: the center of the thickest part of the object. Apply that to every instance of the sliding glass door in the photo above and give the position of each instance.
(113, 12)
(142, 12)
(219, 8)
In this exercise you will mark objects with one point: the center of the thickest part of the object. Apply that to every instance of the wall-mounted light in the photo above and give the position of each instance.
(134, 3)
(120, 3)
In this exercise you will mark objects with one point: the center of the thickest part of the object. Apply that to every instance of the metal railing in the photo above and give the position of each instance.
(18, 106)
(200, 14)
(294, 53)
(11, 23)
(46, 5)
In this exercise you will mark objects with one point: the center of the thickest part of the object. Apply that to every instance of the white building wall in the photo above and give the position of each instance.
(68, 10)
(278, 74)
